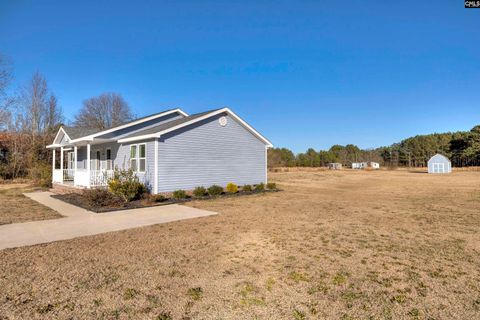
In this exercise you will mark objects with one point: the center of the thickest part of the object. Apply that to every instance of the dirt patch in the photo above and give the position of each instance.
(336, 245)
(16, 208)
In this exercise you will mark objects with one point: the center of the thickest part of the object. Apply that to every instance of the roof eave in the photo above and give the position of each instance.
(90, 137)
(139, 138)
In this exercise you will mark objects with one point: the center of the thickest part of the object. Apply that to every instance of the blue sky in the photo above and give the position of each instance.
(304, 73)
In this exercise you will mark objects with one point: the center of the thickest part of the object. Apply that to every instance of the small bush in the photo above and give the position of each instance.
(157, 198)
(126, 185)
(271, 186)
(195, 293)
(260, 187)
(129, 293)
(41, 174)
(164, 316)
(199, 192)
(179, 194)
(97, 198)
(232, 187)
(215, 190)
(247, 188)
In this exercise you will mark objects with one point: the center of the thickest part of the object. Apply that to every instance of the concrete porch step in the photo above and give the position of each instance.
(66, 188)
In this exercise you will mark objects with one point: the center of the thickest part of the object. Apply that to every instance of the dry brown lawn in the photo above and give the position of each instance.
(15, 207)
(336, 245)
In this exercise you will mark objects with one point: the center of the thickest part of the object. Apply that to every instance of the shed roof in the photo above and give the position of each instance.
(439, 157)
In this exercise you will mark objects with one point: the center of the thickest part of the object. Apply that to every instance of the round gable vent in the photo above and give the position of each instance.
(222, 121)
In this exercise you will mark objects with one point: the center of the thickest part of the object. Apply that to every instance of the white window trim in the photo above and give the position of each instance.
(137, 156)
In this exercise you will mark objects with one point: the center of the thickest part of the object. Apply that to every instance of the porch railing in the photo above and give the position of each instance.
(68, 174)
(100, 177)
(101, 164)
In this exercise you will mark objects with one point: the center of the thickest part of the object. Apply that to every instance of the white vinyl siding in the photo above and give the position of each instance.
(207, 153)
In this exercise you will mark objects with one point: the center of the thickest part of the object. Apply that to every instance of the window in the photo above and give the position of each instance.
(138, 154)
(133, 157)
(142, 157)
(109, 159)
(96, 162)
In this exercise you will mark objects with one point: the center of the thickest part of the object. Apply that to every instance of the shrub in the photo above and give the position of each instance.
(260, 187)
(179, 194)
(126, 185)
(157, 198)
(232, 187)
(199, 192)
(215, 190)
(97, 198)
(41, 174)
(247, 188)
(271, 186)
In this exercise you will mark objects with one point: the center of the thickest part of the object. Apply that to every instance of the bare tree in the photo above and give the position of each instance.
(30, 127)
(33, 104)
(105, 111)
(54, 115)
(38, 111)
(5, 80)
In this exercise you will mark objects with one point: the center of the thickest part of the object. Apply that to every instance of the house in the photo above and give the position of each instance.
(168, 151)
(439, 164)
(335, 166)
(374, 165)
(359, 165)
(363, 165)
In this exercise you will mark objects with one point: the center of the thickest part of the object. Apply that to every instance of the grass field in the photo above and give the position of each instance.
(15, 207)
(332, 244)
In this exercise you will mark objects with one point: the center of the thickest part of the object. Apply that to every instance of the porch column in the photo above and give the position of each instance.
(75, 165)
(75, 156)
(53, 160)
(61, 162)
(88, 165)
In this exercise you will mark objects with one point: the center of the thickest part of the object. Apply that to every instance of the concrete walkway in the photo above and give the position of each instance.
(79, 222)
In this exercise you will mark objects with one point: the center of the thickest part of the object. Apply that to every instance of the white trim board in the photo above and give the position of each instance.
(56, 136)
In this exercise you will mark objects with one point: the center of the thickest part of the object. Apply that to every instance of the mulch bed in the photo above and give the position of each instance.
(78, 200)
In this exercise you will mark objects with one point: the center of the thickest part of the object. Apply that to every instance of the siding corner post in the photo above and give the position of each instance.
(266, 164)
(155, 171)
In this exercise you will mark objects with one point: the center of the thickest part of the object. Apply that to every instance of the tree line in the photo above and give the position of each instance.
(462, 148)
(31, 115)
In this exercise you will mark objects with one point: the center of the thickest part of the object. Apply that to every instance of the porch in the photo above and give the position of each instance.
(67, 172)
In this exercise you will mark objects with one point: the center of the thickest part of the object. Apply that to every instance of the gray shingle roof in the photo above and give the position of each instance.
(78, 132)
(168, 125)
